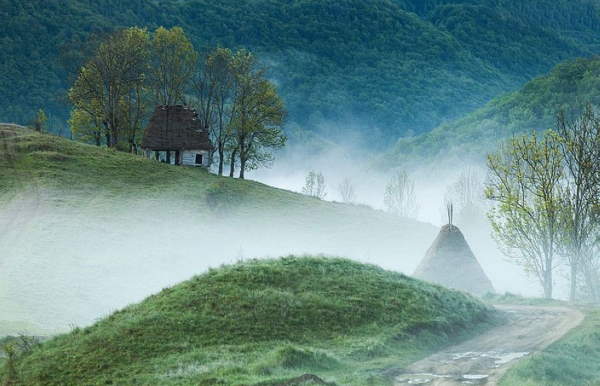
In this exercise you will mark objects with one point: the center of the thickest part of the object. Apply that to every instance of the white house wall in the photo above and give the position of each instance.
(189, 157)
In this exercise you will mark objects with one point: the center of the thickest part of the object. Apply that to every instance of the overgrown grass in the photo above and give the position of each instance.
(573, 360)
(264, 321)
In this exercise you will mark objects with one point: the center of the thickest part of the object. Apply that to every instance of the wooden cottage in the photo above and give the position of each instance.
(175, 135)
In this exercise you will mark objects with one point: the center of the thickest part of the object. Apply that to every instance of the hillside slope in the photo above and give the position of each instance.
(96, 229)
(397, 65)
(262, 322)
(567, 87)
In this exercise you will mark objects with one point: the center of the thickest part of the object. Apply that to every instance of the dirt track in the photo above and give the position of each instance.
(483, 360)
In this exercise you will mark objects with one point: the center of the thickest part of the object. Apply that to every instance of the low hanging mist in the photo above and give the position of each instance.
(69, 262)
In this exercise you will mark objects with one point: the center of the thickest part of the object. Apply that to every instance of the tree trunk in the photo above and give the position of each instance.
(221, 160)
(242, 166)
(573, 292)
(232, 163)
(548, 284)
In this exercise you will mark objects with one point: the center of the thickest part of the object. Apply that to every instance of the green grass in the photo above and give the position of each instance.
(572, 360)
(512, 299)
(263, 321)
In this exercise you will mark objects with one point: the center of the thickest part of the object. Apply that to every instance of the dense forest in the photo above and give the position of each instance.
(393, 66)
(568, 87)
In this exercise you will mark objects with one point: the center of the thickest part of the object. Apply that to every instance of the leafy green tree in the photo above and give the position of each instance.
(525, 182)
(174, 61)
(118, 67)
(580, 146)
(258, 116)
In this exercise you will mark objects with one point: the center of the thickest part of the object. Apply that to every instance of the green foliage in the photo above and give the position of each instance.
(403, 65)
(260, 320)
(573, 360)
(569, 86)
(525, 179)
(173, 65)
(10, 377)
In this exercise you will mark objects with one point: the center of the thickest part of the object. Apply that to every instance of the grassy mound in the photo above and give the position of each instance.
(261, 321)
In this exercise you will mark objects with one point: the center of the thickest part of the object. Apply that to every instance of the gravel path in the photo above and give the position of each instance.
(484, 359)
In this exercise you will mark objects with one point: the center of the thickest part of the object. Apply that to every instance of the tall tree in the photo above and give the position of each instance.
(173, 64)
(467, 196)
(134, 110)
(399, 197)
(214, 89)
(580, 145)
(118, 66)
(525, 180)
(259, 114)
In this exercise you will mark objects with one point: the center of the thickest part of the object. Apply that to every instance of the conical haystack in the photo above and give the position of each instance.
(450, 262)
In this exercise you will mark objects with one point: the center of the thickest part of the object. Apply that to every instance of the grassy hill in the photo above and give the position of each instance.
(567, 87)
(397, 65)
(263, 322)
(95, 230)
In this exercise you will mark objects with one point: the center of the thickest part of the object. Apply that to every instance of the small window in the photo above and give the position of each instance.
(199, 159)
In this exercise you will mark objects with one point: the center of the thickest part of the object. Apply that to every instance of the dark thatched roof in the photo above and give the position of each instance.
(175, 128)
(451, 263)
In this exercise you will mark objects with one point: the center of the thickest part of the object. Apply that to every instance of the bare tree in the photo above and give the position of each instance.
(525, 179)
(315, 185)
(399, 197)
(346, 190)
(467, 196)
(580, 145)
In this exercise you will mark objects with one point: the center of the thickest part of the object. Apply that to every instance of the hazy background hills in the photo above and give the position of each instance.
(567, 87)
(387, 67)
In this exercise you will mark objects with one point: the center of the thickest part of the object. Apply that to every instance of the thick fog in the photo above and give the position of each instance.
(66, 263)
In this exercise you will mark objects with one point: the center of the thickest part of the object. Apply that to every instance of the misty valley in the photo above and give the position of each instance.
(393, 192)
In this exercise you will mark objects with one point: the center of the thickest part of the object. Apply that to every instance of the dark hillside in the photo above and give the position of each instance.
(567, 87)
(402, 66)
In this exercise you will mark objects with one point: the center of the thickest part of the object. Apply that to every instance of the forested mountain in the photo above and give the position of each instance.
(397, 65)
(568, 87)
